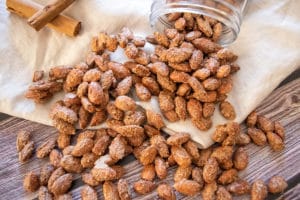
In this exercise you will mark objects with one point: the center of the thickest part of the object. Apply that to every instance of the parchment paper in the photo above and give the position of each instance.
(268, 47)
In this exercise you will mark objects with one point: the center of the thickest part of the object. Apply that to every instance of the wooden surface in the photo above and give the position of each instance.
(283, 105)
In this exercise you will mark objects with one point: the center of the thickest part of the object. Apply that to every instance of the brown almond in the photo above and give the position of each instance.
(178, 139)
(55, 157)
(228, 176)
(165, 192)
(88, 179)
(151, 84)
(265, 124)
(243, 139)
(240, 158)
(151, 131)
(275, 141)
(181, 156)
(82, 147)
(239, 187)
(124, 86)
(161, 145)
(166, 102)
(226, 54)
(148, 155)
(134, 118)
(211, 84)
(206, 45)
(222, 154)
(187, 187)
(110, 191)
(45, 173)
(204, 26)
(210, 170)
(182, 173)
(143, 187)
(101, 145)
(208, 109)
(161, 168)
(202, 124)
(227, 110)
(209, 191)
(180, 107)
(31, 182)
(259, 190)
(92, 75)
(192, 148)
(154, 119)
(279, 129)
(23, 137)
(88, 193)
(117, 148)
(63, 140)
(223, 71)
(107, 79)
(125, 103)
(27, 152)
(142, 92)
(257, 136)
(118, 69)
(123, 189)
(166, 83)
(197, 175)
(71, 164)
(171, 116)
(183, 90)
(55, 175)
(204, 156)
(223, 194)
(129, 130)
(148, 172)
(87, 105)
(44, 194)
(277, 184)
(62, 184)
(88, 160)
(45, 148)
(104, 173)
(194, 108)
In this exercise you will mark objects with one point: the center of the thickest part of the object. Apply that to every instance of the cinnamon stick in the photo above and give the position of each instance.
(62, 23)
(48, 13)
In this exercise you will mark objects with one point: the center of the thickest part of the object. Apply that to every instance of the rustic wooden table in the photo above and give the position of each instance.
(283, 105)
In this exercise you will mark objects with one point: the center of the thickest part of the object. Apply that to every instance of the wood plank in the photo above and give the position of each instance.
(283, 105)
(292, 194)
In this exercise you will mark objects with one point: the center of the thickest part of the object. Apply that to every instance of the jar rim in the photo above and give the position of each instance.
(231, 23)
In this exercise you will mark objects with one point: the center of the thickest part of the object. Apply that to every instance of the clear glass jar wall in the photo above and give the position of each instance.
(228, 12)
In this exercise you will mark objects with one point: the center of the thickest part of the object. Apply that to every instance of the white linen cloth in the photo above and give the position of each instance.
(268, 47)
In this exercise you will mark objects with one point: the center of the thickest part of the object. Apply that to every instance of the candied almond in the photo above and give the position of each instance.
(31, 182)
(166, 192)
(187, 187)
(23, 137)
(277, 184)
(239, 187)
(210, 170)
(123, 189)
(143, 186)
(259, 190)
(178, 139)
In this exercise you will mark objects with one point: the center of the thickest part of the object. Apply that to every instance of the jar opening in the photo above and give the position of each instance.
(228, 16)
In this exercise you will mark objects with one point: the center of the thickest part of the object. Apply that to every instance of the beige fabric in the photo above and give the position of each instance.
(268, 47)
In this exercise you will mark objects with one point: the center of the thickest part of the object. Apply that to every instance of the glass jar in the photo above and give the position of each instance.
(228, 12)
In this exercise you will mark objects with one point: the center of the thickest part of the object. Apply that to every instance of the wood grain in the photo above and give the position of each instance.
(283, 105)
(292, 194)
